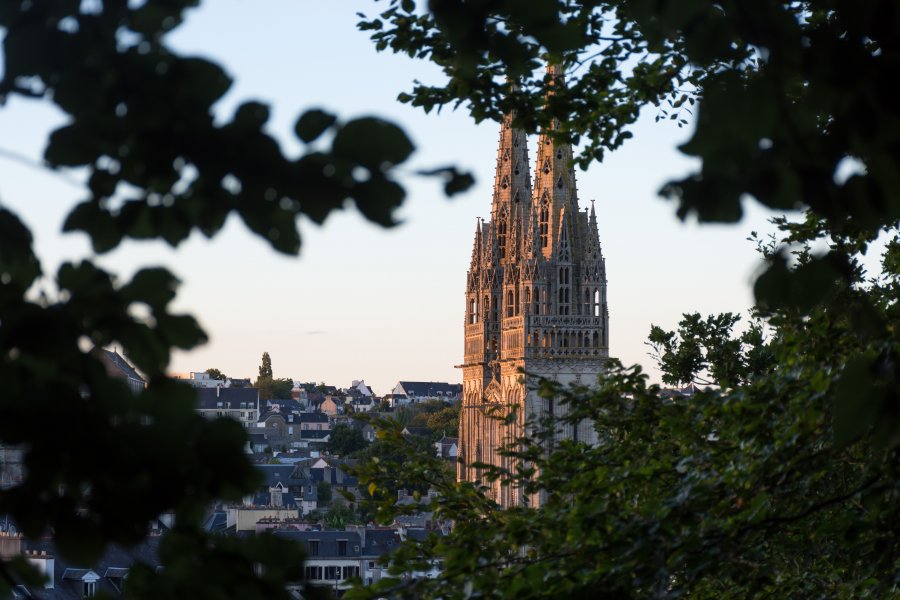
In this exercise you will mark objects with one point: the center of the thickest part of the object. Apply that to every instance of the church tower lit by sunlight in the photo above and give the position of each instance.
(535, 302)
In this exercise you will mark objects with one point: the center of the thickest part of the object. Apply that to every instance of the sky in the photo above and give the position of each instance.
(363, 302)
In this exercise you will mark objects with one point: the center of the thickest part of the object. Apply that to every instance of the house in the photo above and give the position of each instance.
(411, 392)
(258, 442)
(367, 430)
(332, 557)
(360, 388)
(314, 420)
(240, 404)
(332, 471)
(200, 379)
(118, 366)
(332, 405)
(362, 404)
(447, 447)
(72, 580)
(285, 430)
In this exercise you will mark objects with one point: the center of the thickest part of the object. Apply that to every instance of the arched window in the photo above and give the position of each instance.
(596, 302)
(510, 306)
(485, 306)
(527, 295)
(473, 311)
(517, 303)
(501, 236)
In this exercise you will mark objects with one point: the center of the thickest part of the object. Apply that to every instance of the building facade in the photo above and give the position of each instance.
(535, 302)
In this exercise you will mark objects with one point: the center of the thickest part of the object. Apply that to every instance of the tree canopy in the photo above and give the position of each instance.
(216, 374)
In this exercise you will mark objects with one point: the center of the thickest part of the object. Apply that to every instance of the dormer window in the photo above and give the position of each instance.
(90, 589)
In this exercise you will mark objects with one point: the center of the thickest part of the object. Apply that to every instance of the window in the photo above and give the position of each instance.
(90, 589)
(473, 311)
(544, 222)
(342, 547)
(313, 547)
(510, 304)
(332, 572)
(291, 430)
(501, 236)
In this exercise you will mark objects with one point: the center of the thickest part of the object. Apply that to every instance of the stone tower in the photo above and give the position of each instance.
(535, 301)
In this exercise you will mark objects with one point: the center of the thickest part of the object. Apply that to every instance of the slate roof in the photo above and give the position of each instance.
(284, 406)
(427, 389)
(218, 521)
(380, 542)
(120, 364)
(265, 499)
(112, 565)
(327, 542)
(231, 398)
(275, 474)
(313, 417)
(419, 431)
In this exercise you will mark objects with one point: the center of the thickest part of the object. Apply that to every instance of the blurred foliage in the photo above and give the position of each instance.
(159, 163)
(761, 485)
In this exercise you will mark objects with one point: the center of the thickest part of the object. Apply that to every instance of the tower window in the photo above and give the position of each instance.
(501, 236)
(473, 311)
(544, 223)
(510, 306)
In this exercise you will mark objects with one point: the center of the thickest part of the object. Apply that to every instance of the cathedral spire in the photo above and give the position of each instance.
(512, 186)
(554, 180)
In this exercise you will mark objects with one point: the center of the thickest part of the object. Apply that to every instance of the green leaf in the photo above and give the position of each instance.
(18, 264)
(372, 142)
(313, 123)
(455, 182)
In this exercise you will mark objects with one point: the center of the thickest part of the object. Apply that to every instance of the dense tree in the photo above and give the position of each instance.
(445, 421)
(323, 492)
(269, 387)
(216, 374)
(274, 389)
(345, 440)
(265, 367)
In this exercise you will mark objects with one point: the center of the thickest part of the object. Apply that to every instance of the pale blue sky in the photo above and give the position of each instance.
(361, 301)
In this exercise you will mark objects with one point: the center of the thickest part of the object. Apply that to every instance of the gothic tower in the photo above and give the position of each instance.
(535, 301)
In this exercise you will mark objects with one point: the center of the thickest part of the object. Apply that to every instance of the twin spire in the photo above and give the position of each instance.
(535, 213)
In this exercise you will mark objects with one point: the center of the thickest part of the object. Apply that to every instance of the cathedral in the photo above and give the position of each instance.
(535, 303)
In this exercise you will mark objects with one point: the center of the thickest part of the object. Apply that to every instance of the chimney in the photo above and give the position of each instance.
(44, 563)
